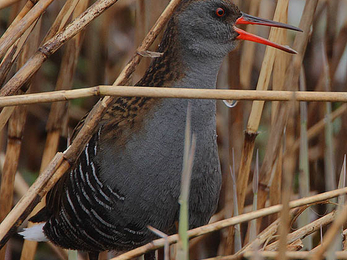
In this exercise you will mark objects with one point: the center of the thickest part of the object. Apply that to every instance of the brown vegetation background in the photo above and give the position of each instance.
(300, 145)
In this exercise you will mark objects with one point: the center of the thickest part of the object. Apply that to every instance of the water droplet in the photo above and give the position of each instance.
(230, 103)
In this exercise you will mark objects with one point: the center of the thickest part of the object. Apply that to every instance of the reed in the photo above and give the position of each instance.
(300, 134)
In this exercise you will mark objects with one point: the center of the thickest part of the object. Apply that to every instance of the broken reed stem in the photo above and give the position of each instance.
(60, 163)
(231, 221)
(264, 236)
(304, 231)
(161, 92)
(331, 233)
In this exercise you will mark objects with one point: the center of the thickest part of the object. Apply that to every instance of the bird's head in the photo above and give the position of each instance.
(209, 27)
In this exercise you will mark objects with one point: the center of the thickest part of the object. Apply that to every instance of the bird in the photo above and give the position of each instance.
(128, 176)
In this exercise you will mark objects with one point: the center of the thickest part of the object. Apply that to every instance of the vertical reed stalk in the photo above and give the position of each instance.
(330, 175)
(58, 114)
(189, 151)
(288, 174)
(15, 132)
(304, 173)
(15, 135)
(248, 50)
(291, 81)
(257, 108)
(232, 138)
(279, 72)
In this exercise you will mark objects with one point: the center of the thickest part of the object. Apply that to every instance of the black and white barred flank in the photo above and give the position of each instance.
(82, 220)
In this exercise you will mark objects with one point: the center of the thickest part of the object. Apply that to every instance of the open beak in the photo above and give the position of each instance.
(249, 19)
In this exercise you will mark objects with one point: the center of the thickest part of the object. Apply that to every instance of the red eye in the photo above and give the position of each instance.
(220, 12)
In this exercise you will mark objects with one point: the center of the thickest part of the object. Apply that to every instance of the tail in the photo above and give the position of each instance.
(34, 233)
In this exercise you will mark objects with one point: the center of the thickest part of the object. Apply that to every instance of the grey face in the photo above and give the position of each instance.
(205, 27)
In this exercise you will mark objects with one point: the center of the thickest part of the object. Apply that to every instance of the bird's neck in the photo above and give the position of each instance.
(199, 74)
(178, 66)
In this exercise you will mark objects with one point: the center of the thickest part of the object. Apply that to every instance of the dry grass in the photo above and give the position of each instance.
(301, 145)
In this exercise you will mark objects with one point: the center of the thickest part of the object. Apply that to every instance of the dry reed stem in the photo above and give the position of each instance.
(316, 129)
(6, 63)
(5, 114)
(100, 108)
(331, 27)
(162, 92)
(279, 72)
(62, 18)
(13, 33)
(273, 255)
(248, 49)
(10, 58)
(15, 132)
(147, 11)
(35, 62)
(231, 131)
(21, 187)
(291, 82)
(15, 136)
(35, 193)
(304, 231)
(338, 49)
(27, 7)
(329, 164)
(59, 165)
(6, 3)
(257, 108)
(266, 68)
(59, 110)
(141, 28)
(231, 221)
(294, 246)
(344, 242)
(288, 175)
(264, 236)
(12, 54)
(304, 172)
(331, 233)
